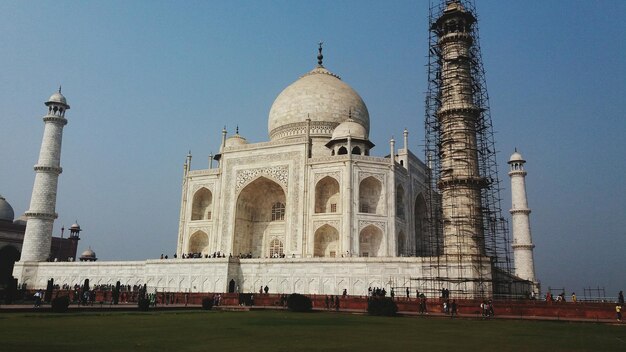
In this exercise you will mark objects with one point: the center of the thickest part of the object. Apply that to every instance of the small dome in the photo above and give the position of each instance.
(6, 210)
(320, 96)
(21, 220)
(57, 98)
(235, 140)
(516, 157)
(88, 255)
(350, 128)
(75, 226)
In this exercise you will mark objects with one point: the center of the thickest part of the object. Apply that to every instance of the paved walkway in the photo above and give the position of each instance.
(24, 308)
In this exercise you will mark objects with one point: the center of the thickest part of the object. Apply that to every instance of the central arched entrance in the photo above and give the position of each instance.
(259, 218)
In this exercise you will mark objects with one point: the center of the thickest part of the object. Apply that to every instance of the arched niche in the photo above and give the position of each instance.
(201, 205)
(327, 196)
(423, 243)
(198, 243)
(326, 242)
(400, 205)
(370, 240)
(401, 244)
(371, 196)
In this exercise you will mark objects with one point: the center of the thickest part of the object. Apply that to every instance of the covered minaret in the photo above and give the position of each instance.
(460, 182)
(522, 240)
(41, 213)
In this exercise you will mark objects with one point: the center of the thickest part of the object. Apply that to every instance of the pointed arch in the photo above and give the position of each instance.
(326, 242)
(327, 199)
(356, 150)
(370, 240)
(401, 244)
(202, 204)
(260, 209)
(198, 242)
(371, 196)
(422, 240)
(342, 151)
(400, 204)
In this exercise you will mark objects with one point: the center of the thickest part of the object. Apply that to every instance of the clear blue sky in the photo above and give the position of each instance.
(149, 80)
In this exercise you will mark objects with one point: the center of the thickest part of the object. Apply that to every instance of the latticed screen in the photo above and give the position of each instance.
(278, 211)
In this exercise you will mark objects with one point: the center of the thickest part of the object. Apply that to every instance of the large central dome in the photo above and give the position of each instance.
(321, 96)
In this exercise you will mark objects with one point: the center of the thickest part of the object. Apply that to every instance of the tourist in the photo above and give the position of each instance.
(407, 294)
(453, 308)
(483, 308)
(266, 289)
(618, 310)
(345, 292)
(620, 298)
(38, 297)
(327, 303)
(574, 297)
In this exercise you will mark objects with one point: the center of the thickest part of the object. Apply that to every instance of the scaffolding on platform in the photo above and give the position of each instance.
(463, 272)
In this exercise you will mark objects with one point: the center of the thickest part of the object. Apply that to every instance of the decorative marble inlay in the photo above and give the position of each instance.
(319, 223)
(279, 174)
(336, 175)
(379, 177)
(380, 224)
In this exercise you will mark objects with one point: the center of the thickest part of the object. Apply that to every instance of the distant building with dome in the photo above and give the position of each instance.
(12, 237)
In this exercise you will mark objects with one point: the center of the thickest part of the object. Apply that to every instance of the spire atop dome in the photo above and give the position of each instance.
(320, 57)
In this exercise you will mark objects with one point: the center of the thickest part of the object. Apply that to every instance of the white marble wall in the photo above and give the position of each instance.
(302, 275)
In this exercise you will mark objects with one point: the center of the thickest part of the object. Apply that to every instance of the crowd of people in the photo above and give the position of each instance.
(200, 255)
(85, 295)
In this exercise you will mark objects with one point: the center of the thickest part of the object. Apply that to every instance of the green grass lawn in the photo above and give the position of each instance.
(285, 331)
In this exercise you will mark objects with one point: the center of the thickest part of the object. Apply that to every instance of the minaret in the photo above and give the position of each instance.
(522, 240)
(41, 213)
(460, 182)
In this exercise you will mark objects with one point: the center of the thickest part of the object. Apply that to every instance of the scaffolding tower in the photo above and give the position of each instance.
(467, 251)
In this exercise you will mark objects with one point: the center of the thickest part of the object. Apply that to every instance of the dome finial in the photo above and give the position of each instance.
(59, 88)
(320, 57)
(237, 129)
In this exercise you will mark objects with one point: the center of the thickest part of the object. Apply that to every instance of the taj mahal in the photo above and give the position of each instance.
(312, 210)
